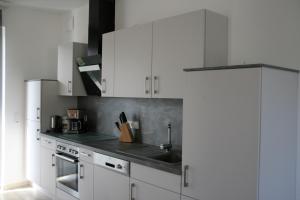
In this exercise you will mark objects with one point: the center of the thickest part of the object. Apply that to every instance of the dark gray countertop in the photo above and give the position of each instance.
(107, 145)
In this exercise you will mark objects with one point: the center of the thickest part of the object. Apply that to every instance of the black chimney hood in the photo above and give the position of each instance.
(101, 20)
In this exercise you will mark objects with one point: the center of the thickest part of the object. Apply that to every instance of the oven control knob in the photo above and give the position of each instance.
(58, 146)
(119, 166)
(76, 152)
(70, 150)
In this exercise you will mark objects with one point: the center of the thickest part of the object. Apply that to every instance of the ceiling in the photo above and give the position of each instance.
(46, 4)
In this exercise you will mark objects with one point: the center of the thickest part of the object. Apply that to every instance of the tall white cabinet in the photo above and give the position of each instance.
(42, 101)
(239, 134)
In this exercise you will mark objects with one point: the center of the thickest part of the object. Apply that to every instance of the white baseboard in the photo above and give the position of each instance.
(17, 185)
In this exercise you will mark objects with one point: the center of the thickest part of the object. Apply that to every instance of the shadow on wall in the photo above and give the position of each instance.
(153, 116)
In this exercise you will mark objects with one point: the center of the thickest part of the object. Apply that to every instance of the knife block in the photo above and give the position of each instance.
(126, 135)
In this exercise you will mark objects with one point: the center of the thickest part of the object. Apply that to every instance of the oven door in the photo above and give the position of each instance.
(67, 174)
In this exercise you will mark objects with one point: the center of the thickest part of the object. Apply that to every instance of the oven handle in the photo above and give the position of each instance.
(66, 158)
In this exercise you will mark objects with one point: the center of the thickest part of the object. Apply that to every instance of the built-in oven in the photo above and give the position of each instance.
(67, 167)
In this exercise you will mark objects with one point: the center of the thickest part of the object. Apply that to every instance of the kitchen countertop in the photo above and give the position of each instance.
(109, 145)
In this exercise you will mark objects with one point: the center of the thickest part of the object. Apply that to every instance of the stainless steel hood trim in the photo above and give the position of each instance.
(95, 80)
(89, 68)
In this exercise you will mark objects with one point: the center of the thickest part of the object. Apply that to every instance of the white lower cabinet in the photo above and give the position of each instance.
(186, 198)
(48, 170)
(110, 185)
(86, 180)
(48, 166)
(144, 191)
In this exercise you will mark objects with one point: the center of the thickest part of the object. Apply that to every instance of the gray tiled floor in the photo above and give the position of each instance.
(23, 194)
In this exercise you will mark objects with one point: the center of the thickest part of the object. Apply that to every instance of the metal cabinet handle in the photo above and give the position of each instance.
(37, 134)
(147, 85)
(69, 86)
(37, 113)
(53, 162)
(59, 155)
(132, 185)
(156, 84)
(81, 171)
(104, 86)
(185, 170)
(85, 154)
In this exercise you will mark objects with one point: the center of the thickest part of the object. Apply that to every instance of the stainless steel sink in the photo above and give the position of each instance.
(173, 157)
(154, 153)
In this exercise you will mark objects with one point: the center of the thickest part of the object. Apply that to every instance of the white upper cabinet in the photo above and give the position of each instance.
(33, 100)
(192, 40)
(68, 75)
(108, 64)
(133, 53)
(149, 58)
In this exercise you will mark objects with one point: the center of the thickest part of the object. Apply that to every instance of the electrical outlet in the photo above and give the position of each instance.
(134, 124)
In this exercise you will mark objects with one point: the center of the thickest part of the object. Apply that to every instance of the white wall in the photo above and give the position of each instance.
(32, 37)
(81, 19)
(264, 31)
(75, 25)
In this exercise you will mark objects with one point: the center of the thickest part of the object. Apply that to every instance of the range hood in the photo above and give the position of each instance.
(101, 20)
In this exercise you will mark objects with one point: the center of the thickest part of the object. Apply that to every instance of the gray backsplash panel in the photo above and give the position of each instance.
(152, 114)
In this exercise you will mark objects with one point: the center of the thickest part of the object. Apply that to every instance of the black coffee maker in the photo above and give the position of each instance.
(56, 123)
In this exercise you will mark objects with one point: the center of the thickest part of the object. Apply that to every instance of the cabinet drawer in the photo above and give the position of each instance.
(48, 143)
(140, 190)
(156, 177)
(86, 155)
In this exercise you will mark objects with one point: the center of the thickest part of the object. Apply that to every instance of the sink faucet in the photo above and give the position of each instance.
(168, 146)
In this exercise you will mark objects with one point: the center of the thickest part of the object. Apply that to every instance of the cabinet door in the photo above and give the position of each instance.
(108, 64)
(33, 151)
(65, 69)
(48, 170)
(110, 185)
(178, 43)
(33, 100)
(133, 48)
(86, 181)
(221, 112)
(143, 191)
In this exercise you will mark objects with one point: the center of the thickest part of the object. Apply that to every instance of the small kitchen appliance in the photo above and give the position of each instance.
(73, 125)
(55, 123)
(75, 114)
